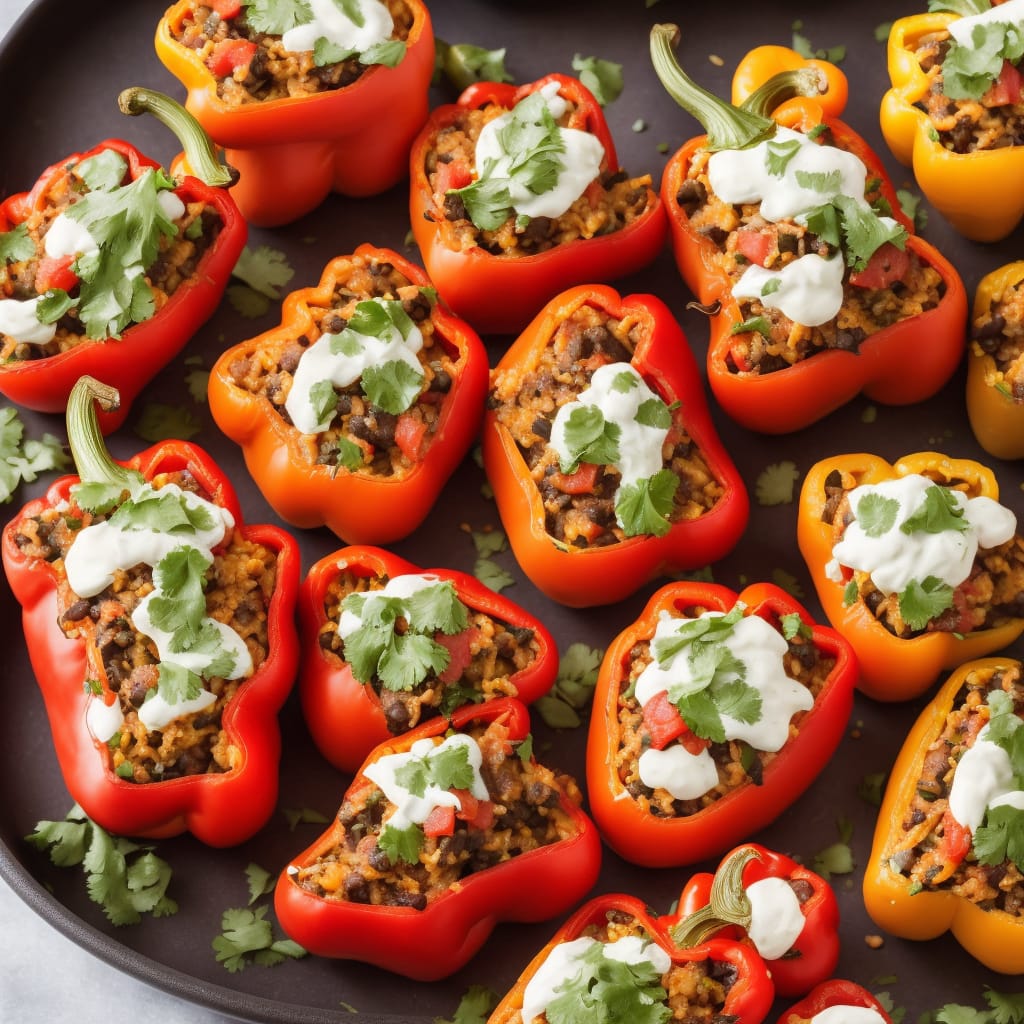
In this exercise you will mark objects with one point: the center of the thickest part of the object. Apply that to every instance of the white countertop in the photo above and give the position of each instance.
(43, 975)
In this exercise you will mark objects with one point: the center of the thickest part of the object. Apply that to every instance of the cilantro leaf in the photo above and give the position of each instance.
(261, 882)
(265, 270)
(15, 245)
(864, 232)
(178, 684)
(1000, 837)
(325, 52)
(876, 514)
(1006, 1008)
(969, 71)
(389, 52)
(574, 685)
(492, 575)
(446, 766)
(825, 182)
(392, 386)
(645, 506)
(965, 8)
(408, 659)
(247, 937)
(602, 77)
(778, 155)
(488, 202)
(589, 437)
(775, 483)
(921, 602)
(401, 843)
(939, 512)
(276, 17)
(793, 626)
(475, 1006)
(653, 412)
(103, 172)
(158, 422)
(463, 64)
(23, 459)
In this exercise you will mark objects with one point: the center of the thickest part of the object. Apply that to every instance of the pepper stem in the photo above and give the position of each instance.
(199, 149)
(88, 449)
(784, 85)
(728, 903)
(727, 127)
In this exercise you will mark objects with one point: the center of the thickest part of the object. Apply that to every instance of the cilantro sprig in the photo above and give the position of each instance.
(22, 458)
(1000, 837)
(844, 224)
(968, 71)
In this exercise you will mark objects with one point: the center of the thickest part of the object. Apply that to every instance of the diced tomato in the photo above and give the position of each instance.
(580, 482)
(477, 813)
(440, 822)
(226, 9)
(460, 652)
(887, 264)
(662, 721)
(755, 245)
(956, 840)
(55, 272)
(1006, 89)
(409, 433)
(230, 54)
(452, 175)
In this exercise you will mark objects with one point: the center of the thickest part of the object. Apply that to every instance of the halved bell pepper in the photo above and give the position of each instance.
(345, 716)
(718, 904)
(292, 152)
(319, 897)
(992, 935)
(995, 406)
(130, 361)
(707, 825)
(979, 192)
(891, 668)
(221, 806)
(836, 992)
(604, 572)
(499, 293)
(890, 366)
(760, 65)
(746, 989)
(361, 502)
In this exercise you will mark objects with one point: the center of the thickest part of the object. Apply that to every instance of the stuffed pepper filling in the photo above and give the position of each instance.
(258, 51)
(620, 957)
(975, 95)
(453, 654)
(959, 833)
(924, 555)
(999, 333)
(839, 1013)
(172, 602)
(100, 253)
(814, 258)
(522, 181)
(422, 819)
(610, 457)
(365, 377)
(708, 701)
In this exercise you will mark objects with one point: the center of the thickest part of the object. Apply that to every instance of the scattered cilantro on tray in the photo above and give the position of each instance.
(22, 458)
(474, 1007)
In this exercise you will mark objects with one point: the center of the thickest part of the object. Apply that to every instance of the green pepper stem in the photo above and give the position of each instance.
(785, 85)
(727, 904)
(92, 459)
(199, 149)
(727, 127)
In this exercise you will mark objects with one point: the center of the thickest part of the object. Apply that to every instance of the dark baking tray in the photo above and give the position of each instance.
(48, 115)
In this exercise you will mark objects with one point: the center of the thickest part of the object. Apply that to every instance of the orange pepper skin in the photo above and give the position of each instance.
(343, 715)
(891, 669)
(750, 996)
(650, 841)
(359, 507)
(993, 937)
(600, 575)
(891, 366)
(501, 294)
(292, 152)
(981, 193)
(130, 362)
(996, 418)
(433, 943)
(219, 809)
(761, 63)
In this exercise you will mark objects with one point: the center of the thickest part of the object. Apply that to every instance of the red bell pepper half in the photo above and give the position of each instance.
(318, 895)
(500, 293)
(220, 807)
(719, 904)
(130, 361)
(834, 993)
(345, 716)
(645, 824)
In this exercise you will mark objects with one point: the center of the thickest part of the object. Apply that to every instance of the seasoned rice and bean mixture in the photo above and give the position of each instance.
(484, 660)
(121, 659)
(374, 862)
(924, 856)
(526, 400)
(999, 333)
(361, 435)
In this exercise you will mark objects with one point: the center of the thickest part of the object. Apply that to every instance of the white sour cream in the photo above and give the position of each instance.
(686, 776)
(157, 713)
(562, 964)
(414, 810)
(581, 162)
(809, 292)
(776, 919)
(19, 319)
(983, 776)
(103, 719)
(896, 558)
(1009, 13)
(67, 237)
(848, 1015)
(331, 23)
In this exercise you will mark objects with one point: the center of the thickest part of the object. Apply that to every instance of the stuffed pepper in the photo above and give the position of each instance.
(108, 266)
(517, 194)
(443, 833)
(946, 854)
(305, 99)
(791, 235)
(613, 960)
(787, 912)
(995, 363)
(713, 712)
(837, 1001)
(916, 563)
(599, 446)
(354, 411)
(954, 111)
(387, 645)
(160, 630)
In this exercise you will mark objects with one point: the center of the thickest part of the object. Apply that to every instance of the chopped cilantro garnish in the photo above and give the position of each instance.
(474, 1007)
(602, 77)
(158, 422)
(775, 483)
(644, 507)
(574, 687)
(876, 514)
(23, 459)
(589, 437)
(401, 844)
(247, 937)
(464, 63)
(969, 70)
(264, 271)
(939, 512)
(923, 601)
(15, 245)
